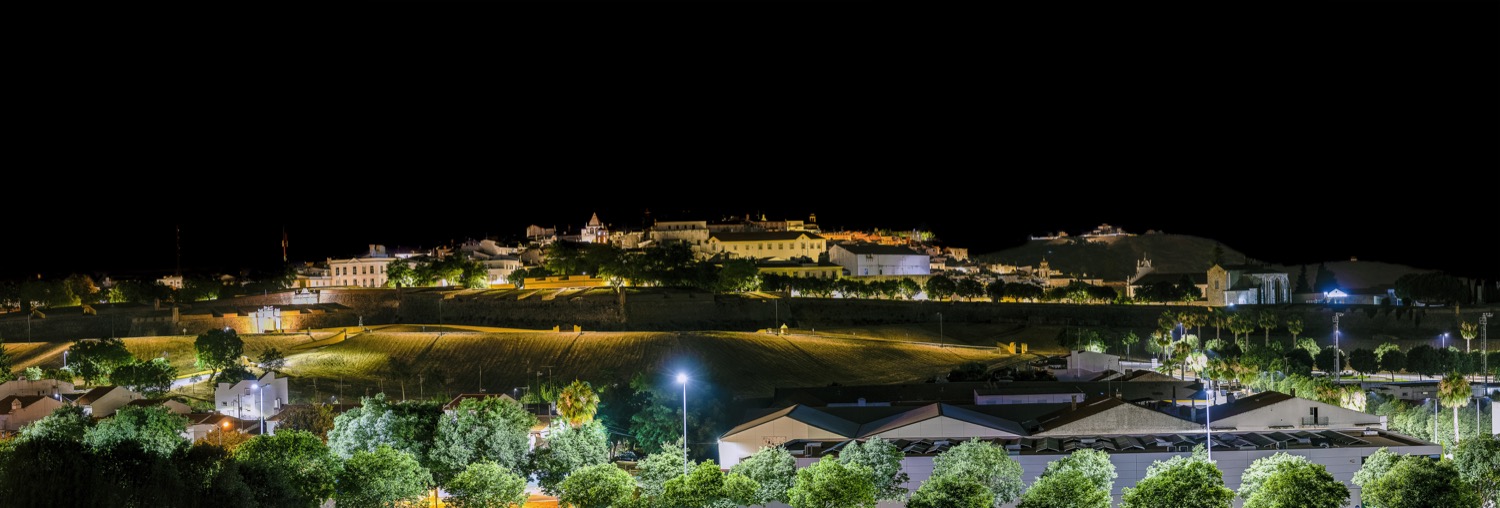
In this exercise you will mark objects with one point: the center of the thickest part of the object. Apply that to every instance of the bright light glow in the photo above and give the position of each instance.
(681, 378)
(1336, 294)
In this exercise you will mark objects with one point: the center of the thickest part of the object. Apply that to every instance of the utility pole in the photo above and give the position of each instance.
(940, 329)
(1484, 344)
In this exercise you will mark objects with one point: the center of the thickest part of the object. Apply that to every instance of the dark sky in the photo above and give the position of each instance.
(1365, 130)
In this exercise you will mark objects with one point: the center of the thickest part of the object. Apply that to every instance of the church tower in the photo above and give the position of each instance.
(594, 232)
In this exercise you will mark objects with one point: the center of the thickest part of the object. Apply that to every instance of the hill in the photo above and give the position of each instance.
(1114, 258)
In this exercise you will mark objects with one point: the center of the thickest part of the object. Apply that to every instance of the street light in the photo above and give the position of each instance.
(221, 433)
(1338, 360)
(940, 329)
(682, 379)
(1484, 334)
(260, 407)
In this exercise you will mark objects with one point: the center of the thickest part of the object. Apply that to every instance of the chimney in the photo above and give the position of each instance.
(372, 248)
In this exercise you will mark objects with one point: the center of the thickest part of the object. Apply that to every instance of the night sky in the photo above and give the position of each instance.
(1367, 131)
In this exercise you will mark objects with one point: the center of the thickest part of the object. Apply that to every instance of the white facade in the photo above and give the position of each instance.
(498, 269)
(105, 400)
(171, 281)
(252, 400)
(1089, 363)
(771, 246)
(863, 260)
(365, 271)
(1294, 413)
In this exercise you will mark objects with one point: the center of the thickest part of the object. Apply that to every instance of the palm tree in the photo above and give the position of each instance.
(1294, 326)
(1268, 321)
(1162, 340)
(1468, 331)
(1216, 317)
(577, 403)
(1167, 321)
(1454, 392)
(1180, 352)
(1240, 324)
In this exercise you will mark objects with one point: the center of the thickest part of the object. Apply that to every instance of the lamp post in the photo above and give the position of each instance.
(682, 379)
(1208, 431)
(940, 329)
(1338, 360)
(1484, 344)
(260, 407)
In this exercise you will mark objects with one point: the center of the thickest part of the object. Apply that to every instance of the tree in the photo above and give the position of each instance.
(5, 361)
(1478, 463)
(96, 359)
(982, 462)
(148, 377)
(1419, 482)
(951, 492)
(1364, 361)
(82, 288)
(32, 473)
(66, 423)
(316, 418)
(1267, 321)
(1468, 331)
(1181, 481)
(1302, 286)
(211, 479)
(737, 275)
(940, 287)
(968, 288)
(883, 459)
(829, 483)
(708, 487)
(597, 486)
(408, 426)
(399, 274)
(1431, 288)
(1325, 281)
(654, 471)
(1241, 324)
(1298, 485)
(384, 477)
(995, 290)
(225, 438)
(1393, 361)
(773, 469)
(1375, 466)
(271, 359)
(490, 429)
(1260, 470)
(1294, 326)
(1329, 359)
(1071, 488)
(577, 403)
(1454, 392)
(568, 449)
(288, 469)
(486, 484)
(154, 428)
(1094, 465)
(218, 349)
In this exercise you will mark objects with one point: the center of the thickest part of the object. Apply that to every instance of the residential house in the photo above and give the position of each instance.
(17, 411)
(103, 401)
(861, 260)
(172, 406)
(200, 424)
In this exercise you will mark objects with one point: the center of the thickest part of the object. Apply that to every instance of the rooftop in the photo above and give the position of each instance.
(1134, 443)
(875, 248)
(762, 236)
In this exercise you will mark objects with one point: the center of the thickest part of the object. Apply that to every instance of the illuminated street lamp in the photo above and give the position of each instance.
(682, 379)
(1338, 360)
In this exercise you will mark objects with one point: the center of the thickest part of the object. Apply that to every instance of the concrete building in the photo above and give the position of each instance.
(691, 232)
(252, 399)
(1273, 411)
(18, 411)
(498, 269)
(1086, 365)
(366, 271)
(311, 276)
(870, 259)
(771, 246)
(103, 401)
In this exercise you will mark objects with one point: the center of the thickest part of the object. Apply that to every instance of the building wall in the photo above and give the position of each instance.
(241, 401)
(772, 433)
(359, 272)
(111, 402)
(812, 248)
(814, 272)
(1291, 411)
(42, 387)
(1030, 398)
(860, 265)
(24, 416)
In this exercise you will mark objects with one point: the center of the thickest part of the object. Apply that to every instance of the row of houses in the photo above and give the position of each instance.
(1137, 419)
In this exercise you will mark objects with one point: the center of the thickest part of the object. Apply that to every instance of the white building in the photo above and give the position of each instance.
(252, 399)
(691, 232)
(171, 281)
(1271, 411)
(763, 245)
(312, 276)
(873, 259)
(365, 271)
(499, 268)
(1086, 365)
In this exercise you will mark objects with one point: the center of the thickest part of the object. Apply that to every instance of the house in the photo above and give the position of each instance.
(252, 399)
(42, 387)
(861, 260)
(103, 401)
(1085, 365)
(1108, 416)
(765, 245)
(17, 411)
(367, 270)
(498, 269)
